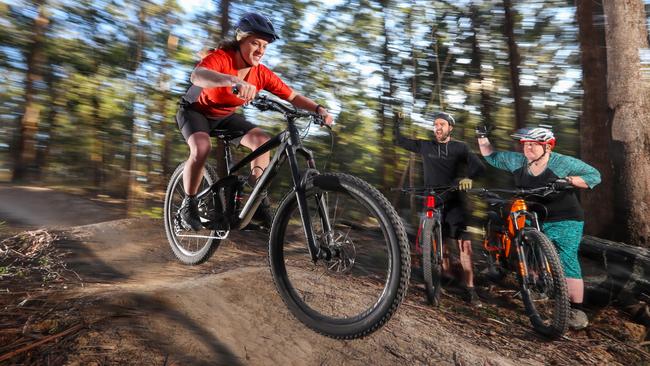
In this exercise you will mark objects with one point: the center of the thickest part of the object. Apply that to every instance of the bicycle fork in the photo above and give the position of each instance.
(300, 183)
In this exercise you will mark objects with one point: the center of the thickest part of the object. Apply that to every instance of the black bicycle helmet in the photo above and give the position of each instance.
(258, 24)
(446, 116)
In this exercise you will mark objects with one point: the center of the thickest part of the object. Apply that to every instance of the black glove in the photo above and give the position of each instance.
(562, 184)
(483, 131)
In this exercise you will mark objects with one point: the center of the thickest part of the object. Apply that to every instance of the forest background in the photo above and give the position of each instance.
(89, 89)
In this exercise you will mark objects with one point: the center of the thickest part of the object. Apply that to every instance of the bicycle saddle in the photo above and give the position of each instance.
(227, 134)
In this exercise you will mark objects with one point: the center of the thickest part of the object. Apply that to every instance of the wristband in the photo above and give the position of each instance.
(318, 106)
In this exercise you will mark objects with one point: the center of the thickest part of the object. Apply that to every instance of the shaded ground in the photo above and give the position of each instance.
(125, 300)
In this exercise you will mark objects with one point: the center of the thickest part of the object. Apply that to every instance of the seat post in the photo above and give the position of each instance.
(228, 156)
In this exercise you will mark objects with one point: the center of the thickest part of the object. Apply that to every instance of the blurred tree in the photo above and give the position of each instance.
(629, 102)
(514, 59)
(595, 122)
(25, 150)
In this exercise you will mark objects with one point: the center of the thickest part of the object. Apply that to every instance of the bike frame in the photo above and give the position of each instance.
(289, 147)
(517, 219)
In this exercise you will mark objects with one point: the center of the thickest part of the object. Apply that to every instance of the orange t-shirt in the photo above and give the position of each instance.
(220, 102)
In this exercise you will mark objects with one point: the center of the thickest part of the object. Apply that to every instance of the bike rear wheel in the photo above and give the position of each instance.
(359, 286)
(544, 290)
(190, 247)
(432, 260)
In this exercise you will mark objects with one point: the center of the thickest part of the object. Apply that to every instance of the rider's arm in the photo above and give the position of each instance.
(475, 167)
(408, 144)
(302, 102)
(505, 160)
(485, 146)
(206, 78)
(576, 171)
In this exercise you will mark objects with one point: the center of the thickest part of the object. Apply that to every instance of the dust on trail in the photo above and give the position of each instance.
(144, 307)
(227, 311)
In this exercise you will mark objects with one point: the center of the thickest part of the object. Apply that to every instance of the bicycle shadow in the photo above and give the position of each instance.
(158, 324)
(125, 278)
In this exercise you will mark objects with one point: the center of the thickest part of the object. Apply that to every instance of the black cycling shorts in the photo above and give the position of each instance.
(190, 121)
(453, 223)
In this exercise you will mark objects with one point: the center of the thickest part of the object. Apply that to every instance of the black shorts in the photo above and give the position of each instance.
(190, 121)
(454, 223)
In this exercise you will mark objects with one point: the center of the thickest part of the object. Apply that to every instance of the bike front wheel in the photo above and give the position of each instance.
(544, 289)
(364, 274)
(432, 260)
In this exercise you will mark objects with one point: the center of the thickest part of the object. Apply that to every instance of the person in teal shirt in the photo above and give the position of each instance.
(538, 166)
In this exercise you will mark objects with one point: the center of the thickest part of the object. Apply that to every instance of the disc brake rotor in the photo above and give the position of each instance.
(343, 253)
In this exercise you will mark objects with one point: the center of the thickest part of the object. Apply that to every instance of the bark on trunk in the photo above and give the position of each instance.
(25, 151)
(521, 107)
(224, 20)
(132, 195)
(595, 123)
(628, 100)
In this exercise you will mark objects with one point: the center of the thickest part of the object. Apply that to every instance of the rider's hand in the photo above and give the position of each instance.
(327, 118)
(465, 184)
(483, 131)
(562, 184)
(245, 90)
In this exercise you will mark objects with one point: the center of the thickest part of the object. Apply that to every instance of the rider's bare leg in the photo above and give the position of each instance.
(465, 250)
(200, 145)
(576, 289)
(252, 140)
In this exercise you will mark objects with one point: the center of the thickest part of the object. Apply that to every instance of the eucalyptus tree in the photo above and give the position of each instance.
(628, 85)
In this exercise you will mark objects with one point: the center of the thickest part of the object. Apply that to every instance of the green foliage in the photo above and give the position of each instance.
(115, 74)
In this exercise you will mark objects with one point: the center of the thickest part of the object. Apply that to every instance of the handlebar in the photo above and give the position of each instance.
(520, 192)
(427, 190)
(265, 103)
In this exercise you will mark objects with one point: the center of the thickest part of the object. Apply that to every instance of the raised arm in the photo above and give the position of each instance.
(408, 144)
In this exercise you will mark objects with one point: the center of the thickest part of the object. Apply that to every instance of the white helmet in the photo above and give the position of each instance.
(540, 134)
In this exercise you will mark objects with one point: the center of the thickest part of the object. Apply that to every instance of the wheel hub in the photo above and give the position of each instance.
(342, 253)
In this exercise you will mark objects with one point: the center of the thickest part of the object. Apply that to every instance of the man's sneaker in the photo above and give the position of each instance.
(578, 319)
(190, 213)
(471, 297)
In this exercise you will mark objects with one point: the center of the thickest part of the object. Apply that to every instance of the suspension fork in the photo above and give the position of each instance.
(522, 266)
(301, 197)
(438, 228)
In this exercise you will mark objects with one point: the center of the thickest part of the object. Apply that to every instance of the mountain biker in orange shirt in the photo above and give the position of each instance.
(209, 104)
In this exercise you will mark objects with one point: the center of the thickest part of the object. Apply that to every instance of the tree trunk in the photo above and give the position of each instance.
(595, 122)
(385, 111)
(628, 99)
(25, 151)
(49, 125)
(477, 60)
(167, 127)
(521, 107)
(132, 193)
(224, 20)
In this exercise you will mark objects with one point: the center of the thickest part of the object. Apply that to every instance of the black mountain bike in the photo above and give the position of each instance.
(514, 242)
(338, 251)
(429, 237)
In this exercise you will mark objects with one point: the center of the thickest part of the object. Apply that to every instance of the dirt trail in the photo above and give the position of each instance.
(227, 311)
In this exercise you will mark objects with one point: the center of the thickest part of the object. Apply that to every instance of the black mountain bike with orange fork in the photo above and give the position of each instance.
(514, 242)
(429, 240)
(338, 251)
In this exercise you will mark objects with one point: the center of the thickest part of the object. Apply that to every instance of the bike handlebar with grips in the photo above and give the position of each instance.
(265, 103)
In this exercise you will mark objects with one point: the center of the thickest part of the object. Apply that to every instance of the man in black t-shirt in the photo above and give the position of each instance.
(443, 159)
